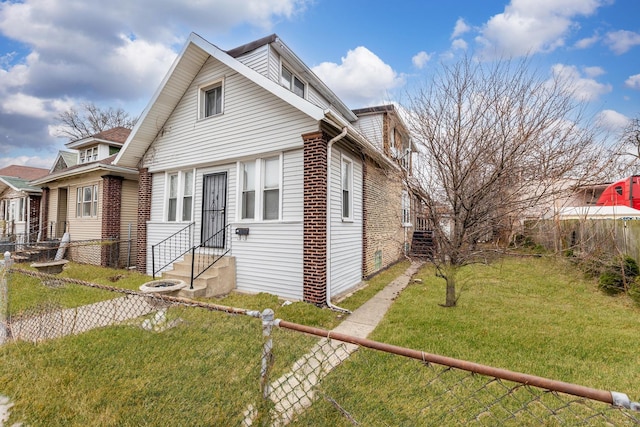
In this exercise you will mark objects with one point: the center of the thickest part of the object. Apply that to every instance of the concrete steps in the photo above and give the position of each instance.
(218, 280)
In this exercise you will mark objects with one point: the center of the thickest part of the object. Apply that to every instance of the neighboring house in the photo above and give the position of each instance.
(20, 203)
(248, 149)
(91, 199)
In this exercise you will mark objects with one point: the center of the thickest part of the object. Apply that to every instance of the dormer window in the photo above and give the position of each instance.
(291, 82)
(89, 155)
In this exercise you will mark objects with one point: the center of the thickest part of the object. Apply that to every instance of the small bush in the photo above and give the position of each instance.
(620, 272)
(634, 291)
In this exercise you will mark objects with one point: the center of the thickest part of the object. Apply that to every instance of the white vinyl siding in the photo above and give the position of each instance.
(346, 236)
(371, 126)
(253, 119)
(257, 59)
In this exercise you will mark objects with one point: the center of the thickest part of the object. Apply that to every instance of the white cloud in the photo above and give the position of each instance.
(113, 55)
(34, 161)
(361, 79)
(25, 105)
(460, 28)
(531, 26)
(587, 42)
(621, 41)
(420, 59)
(612, 120)
(633, 81)
(459, 44)
(584, 89)
(593, 71)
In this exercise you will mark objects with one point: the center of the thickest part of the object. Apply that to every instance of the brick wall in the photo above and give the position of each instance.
(315, 218)
(34, 214)
(383, 233)
(111, 209)
(144, 215)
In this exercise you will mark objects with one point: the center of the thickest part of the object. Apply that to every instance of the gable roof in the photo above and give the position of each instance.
(83, 168)
(25, 172)
(184, 69)
(18, 184)
(114, 136)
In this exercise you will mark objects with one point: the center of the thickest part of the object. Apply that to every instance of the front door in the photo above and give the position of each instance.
(214, 203)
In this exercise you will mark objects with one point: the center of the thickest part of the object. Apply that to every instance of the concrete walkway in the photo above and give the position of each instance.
(293, 392)
(81, 319)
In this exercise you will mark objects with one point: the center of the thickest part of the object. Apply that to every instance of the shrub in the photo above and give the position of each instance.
(634, 291)
(618, 273)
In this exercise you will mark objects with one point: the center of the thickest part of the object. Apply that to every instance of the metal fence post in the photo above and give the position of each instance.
(267, 355)
(4, 297)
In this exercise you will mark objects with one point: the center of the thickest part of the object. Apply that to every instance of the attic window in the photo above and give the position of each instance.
(291, 82)
(89, 155)
(211, 97)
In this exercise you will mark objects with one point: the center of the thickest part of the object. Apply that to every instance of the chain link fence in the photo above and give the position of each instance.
(339, 379)
(347, 381)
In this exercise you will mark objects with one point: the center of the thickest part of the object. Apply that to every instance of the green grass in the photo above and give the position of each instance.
(205, 371)
(533, 315)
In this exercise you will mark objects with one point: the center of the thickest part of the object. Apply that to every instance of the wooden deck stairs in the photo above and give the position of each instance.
(422, 244)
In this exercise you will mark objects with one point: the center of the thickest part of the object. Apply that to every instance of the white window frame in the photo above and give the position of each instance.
(180, 196)
(89, 155)
(406, 209)
(92, 201)
(259, 189)
(344, 160)
(202, 99)
(290, 83)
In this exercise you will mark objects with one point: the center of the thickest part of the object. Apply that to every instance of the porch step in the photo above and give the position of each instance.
(218, 280)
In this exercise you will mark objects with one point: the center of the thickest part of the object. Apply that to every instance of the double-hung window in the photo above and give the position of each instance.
(211, 100)
(87, 201)
(89, 155)
(347, 188)
(180, 196)
(260, 183)
(291, 82)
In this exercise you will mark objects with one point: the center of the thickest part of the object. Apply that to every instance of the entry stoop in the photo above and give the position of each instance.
(218, 280)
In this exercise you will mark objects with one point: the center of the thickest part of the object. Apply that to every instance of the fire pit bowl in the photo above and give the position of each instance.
(163, 286)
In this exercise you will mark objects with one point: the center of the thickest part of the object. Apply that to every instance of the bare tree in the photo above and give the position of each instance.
(494, 141)
(631, 137)
(90, 120)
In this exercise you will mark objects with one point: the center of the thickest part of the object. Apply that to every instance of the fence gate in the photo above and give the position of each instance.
(214, 204)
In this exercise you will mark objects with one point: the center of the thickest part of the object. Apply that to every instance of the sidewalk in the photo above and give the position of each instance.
(293, 392)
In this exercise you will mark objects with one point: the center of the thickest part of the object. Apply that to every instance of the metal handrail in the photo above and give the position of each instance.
(224, 250)
(178, 235)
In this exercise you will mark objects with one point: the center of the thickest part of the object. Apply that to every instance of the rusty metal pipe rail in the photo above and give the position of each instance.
(610, 397)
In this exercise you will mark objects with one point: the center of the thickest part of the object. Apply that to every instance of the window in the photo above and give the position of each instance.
(271, 188)
(264, 175)
(211, 100)
(347, 184)
(406, 209)
(248, 190)
(291, 82)
(180, 196)
(187, 198)
(87, 202)
(89, 155)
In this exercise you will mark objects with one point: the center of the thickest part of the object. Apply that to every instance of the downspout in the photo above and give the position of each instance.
(329, 145)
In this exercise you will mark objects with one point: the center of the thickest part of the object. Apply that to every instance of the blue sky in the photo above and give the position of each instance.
(56, 54)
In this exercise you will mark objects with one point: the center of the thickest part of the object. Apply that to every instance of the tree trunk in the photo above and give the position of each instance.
(451, 291)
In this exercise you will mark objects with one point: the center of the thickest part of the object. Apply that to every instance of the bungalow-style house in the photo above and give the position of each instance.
(88, 197)
(19, 203)
(247, 153)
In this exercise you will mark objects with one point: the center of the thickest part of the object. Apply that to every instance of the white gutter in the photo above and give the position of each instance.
(329, 145)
